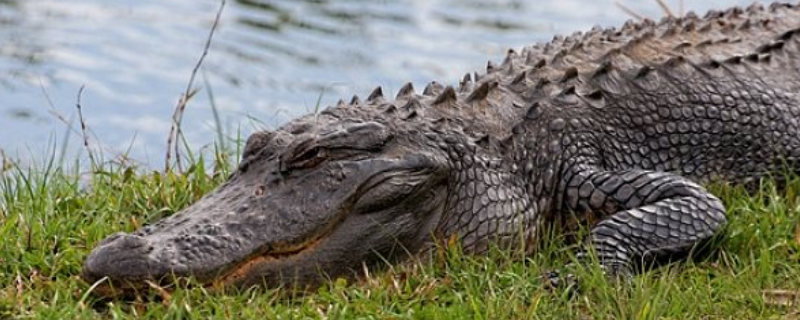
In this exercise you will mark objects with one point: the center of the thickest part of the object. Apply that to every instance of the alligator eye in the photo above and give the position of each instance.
(260, 191)
(308, 158)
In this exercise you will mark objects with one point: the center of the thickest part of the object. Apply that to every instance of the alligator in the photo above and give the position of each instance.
(614, 130)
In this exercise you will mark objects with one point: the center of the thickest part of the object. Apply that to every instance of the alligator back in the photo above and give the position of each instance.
(712, 98)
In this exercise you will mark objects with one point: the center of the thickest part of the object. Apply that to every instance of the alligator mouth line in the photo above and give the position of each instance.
(243, 269)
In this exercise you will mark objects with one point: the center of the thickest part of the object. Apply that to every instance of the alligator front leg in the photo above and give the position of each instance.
(645, 215)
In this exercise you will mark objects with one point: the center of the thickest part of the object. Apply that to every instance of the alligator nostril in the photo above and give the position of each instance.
(131, 241)
(260, 191)
(112, 238)
(125, 256)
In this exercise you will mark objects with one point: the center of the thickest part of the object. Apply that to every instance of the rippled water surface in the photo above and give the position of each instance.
(270, 60)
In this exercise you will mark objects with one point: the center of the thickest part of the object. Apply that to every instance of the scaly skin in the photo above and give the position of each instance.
(611, 129)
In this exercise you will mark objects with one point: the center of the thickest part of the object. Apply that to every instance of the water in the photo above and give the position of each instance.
(270, 60)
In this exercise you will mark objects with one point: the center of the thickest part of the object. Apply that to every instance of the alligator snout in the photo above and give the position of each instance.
(121, 256)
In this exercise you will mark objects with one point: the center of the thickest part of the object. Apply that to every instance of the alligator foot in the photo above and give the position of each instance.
(557, 282)
(567, 282)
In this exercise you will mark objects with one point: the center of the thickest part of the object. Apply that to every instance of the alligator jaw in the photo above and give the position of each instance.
(261, 261)
(105, 287)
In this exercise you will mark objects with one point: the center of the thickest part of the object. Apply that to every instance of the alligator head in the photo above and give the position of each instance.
(321, 197)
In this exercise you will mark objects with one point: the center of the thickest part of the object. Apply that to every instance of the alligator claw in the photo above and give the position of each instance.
(558, 282)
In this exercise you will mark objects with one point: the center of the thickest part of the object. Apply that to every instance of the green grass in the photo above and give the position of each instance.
(50, 219)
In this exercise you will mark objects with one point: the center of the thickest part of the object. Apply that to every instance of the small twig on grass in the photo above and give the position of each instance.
(54, 112)
(166, 297)
(665, 8)
(5, 164)
(628, 11)
(215, 113)
(83, 129)
(177, 116)
(98, 145)
(780, 298)
(661, 3)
